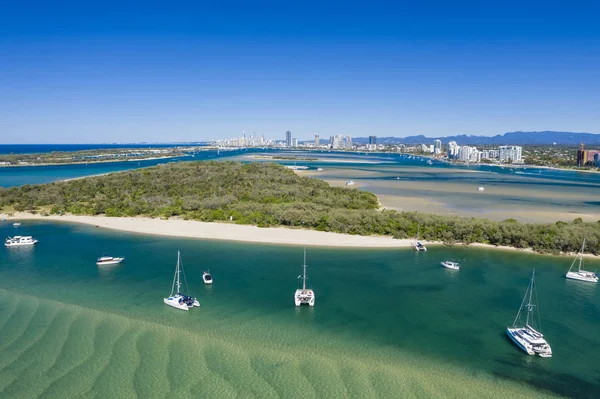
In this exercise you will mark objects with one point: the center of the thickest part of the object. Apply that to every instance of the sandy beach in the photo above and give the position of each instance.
(246, 233)
(224, 231)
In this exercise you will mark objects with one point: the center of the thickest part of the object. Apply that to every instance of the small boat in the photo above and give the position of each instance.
(320, 169)
(398, 177)
(451, 265)
(302, 295)
(429, 162)
(207, 277)
(19, 241)
(580, 274)
(349, 183)
(179, 300)
(480, 189)
(524, 335)
(16, 224)
(105, 260)
(418, 245)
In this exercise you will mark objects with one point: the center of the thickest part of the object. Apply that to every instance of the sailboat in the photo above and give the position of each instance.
(418, 245)
(581, 274)
(526, 336)
(304, 296)
(179, 300)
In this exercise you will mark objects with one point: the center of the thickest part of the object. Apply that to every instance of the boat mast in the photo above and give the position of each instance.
(529, 307)
(581, 254)
(304, 277)
(177, 272)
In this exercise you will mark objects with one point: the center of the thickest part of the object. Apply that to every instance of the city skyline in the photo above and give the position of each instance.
(78, 73)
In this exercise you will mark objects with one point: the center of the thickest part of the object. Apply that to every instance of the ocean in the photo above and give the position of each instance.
(387, 322)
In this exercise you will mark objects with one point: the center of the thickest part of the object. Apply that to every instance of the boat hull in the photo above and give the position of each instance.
(176, 304)
(304, 298)
(577, 276)
(20, 244)
(524, 347)
(111, 262)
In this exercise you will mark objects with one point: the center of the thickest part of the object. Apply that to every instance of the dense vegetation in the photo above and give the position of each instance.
(271, 195)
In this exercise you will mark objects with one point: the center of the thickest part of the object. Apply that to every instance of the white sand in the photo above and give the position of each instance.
(225, 231)
(238, 232)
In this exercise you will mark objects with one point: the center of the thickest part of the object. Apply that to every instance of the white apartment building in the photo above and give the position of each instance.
(510, 153)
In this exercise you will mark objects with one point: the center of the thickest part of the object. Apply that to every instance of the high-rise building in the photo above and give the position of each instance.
(510, 153)
(317, 140)
(437, 144)
(452, 150)
(288, 138)
(372, 140)
(294, 142)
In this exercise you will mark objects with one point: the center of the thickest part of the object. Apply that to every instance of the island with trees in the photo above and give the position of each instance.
(268, 194)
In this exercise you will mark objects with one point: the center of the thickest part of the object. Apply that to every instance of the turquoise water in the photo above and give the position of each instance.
(387, 323)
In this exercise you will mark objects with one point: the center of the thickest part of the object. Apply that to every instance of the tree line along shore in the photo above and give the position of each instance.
(268, 194)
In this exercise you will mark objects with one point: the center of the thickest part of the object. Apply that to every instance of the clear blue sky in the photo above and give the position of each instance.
(110, 72)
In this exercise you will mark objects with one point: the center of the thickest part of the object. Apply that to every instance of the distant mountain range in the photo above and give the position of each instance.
(516, 138)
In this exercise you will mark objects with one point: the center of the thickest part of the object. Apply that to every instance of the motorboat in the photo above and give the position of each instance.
(580, 274)
(526, 335)
(207, 277)
(177, 299)
(451, 265)
(19, 241)
(106, 260)
(349, 183)
(304, 295)
(16, 224)
(480, 189)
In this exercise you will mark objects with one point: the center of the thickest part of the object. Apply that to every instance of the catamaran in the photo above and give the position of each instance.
(526, 336)
(418, 245)
(304, 296)
(19, 241)
(179, 300)
(106, 260)
(580, 274)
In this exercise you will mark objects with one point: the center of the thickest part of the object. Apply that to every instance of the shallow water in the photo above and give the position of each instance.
(387, 323)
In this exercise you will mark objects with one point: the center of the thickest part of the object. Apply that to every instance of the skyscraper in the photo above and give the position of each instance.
(372, 139)
(288, 138)
(317, 140)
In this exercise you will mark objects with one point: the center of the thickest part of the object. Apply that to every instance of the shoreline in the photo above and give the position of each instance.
(252, 234)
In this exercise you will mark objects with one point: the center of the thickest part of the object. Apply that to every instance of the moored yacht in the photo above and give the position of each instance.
(179, 300)
(207, 277)
(525, 335)
(105, 260)
(418, 245)
(580, 274)
(16, 224)
(451, 265)
(303, 295)
(19, 241)
(349, 183)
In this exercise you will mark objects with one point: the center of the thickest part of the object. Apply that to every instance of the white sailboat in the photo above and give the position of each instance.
(580, 274)
(304, 296)
(179, 300)
(526, 336)
(418, 245)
